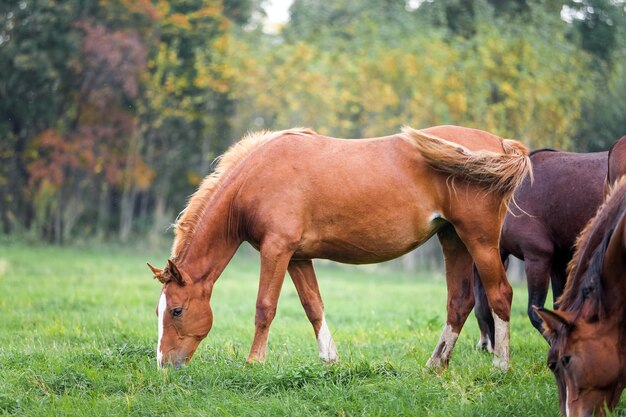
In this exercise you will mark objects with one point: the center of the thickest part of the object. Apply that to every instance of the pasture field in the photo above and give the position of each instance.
(78, 335)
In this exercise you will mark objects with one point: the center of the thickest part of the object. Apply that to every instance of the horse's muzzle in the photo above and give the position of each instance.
(171, 359)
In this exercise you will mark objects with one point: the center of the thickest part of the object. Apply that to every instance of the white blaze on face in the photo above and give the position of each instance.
(566, 402)
(161, 314)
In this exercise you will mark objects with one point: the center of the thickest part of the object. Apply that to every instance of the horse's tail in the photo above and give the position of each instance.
(501, 173)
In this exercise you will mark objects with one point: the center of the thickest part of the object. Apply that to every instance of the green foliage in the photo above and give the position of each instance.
(497, 80)
(114, 109)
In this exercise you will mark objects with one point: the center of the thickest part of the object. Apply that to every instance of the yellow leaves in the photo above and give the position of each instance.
(457, 103)
(193, 178)
(221, 43)
(211, 10)
(143, 175)
(507, 89)
(180, 20)
(163, 8)
(519, 85)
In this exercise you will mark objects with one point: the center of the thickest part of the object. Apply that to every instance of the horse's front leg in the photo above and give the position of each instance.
(459, 272)
(303, 276)
(274, 261)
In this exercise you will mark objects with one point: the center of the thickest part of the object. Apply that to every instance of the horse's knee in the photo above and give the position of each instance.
(458, 310)
(264, 315)
(501, 305)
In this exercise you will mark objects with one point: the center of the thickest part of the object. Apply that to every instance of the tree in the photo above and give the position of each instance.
(38, 49)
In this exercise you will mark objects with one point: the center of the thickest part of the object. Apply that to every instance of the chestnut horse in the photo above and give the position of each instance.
(542, 226)
(588, 331)
(295, 195)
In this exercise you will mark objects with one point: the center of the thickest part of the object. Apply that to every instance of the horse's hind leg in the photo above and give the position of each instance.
(460, 294)
(498, 290)
(483, 315)
(482, 310)
(303, 276)
(274, 263)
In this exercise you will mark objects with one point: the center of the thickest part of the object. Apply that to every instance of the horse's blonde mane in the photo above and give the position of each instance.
(189, 219)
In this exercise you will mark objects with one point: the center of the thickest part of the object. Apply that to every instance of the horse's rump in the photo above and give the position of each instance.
(498, 172)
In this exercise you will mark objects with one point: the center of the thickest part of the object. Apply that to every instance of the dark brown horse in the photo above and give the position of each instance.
(588, 331)
(295, 196)
(543, 223)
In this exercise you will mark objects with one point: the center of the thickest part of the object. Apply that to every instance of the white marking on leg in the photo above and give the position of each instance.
(502, 336)
(443, 350)
(326, 345)
(484, 342)
(161, 314)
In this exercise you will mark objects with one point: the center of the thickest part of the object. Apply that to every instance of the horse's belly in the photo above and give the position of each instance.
(364, 246)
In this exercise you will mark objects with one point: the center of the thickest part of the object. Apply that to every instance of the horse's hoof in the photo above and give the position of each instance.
(484, 345)
(255, 361)
(437, 363)
(329, 360)
(501, 363)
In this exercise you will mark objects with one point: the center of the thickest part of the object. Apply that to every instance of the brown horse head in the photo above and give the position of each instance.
(587, 335)
(184, 315)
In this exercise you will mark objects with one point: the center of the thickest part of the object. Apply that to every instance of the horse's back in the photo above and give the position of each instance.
(472, 139)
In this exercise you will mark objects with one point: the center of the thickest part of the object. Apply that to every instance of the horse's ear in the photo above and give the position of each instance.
(177, 276)
(158, 273)
(553, 321)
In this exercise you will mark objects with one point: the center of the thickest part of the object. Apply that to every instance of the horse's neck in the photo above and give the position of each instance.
(211, 247)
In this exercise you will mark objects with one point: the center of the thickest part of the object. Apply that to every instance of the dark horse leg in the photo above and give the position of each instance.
(458, 264)
(303, 276)
(482, 310)
(559, 278)
(538, 280)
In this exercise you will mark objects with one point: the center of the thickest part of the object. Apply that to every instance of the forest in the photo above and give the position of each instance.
(112, 111)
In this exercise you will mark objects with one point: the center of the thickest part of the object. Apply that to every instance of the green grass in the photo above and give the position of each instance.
(78, 335)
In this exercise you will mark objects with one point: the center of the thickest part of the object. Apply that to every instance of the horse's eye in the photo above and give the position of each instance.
(565, 360)
(176, 312)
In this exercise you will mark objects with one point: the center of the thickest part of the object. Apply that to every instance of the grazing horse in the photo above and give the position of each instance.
(617, 162)
(295, 195)
(542, 225)
(588, 331)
